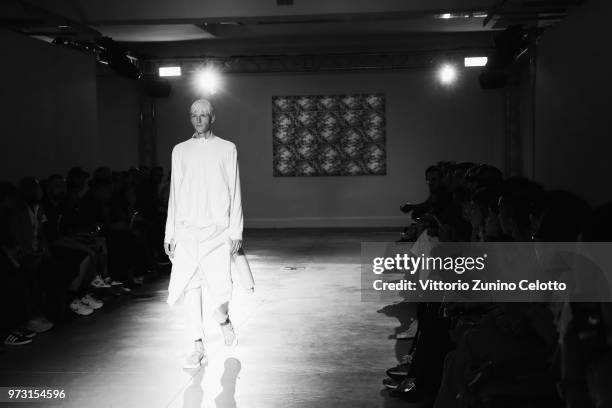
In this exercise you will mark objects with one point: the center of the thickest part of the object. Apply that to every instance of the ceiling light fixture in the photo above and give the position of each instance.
(208, 80)
(447, 74)
(169, 71)
(475, 61)
(448, 16)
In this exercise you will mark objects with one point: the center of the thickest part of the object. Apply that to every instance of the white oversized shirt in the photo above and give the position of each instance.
(204, 187)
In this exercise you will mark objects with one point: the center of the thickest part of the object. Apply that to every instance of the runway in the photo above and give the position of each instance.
(305, 339)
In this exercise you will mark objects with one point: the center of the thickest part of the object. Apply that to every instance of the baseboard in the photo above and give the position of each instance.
(327, 222)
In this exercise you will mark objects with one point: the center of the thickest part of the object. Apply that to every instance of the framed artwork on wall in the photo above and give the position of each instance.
(329, 135)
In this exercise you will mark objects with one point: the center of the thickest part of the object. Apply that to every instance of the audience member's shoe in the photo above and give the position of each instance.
(92, 302)
(25, 332)
(408, 391)
(109, 281)
(99, 283)
(399, 371)
(138, 280)
(229, 335)
(391, 383)
(393, 310)
(196, 358)
(407, 358)
(80, 308)
(403, 386)
(17, 338)
(410, 333)
(39, 324)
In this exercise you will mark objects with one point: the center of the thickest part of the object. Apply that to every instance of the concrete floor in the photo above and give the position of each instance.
(306, 339)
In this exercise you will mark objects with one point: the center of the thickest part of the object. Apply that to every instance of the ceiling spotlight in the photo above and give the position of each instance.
(448, 16)
(447, 74)
(169, 71)
(208, 80)
(475, 61)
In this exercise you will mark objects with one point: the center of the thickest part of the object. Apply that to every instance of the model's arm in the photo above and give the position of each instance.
(175, 176)
(235, 227)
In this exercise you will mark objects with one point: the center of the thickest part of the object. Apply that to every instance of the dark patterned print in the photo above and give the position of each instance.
(328, 135)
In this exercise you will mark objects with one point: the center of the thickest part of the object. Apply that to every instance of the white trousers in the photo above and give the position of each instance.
(201, 262)
(201, 270)
(194, 310)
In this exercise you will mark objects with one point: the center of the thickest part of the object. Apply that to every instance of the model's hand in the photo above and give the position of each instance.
(169, 248)
(236, 245)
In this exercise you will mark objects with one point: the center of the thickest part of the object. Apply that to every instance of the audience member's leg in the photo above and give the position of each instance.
(87, 272)
(13, 298)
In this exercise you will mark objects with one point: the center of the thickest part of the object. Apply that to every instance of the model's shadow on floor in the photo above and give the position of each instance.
(194, 394)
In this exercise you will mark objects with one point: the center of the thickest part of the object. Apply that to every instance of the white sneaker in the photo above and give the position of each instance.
(39, 324)
(109, 281)
(80, 308)
(92, 302)
(229, 334)
(99, 283)
(194, 359)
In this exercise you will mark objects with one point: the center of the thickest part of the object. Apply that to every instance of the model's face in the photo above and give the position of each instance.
(201, 119)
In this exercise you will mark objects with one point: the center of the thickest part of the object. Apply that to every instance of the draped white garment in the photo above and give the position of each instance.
(204, 214)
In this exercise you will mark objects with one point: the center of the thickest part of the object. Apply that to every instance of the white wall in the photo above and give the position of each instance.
(425, 124)
(573, 138)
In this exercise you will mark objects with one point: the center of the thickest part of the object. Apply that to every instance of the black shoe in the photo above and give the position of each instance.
(25, 332)
(414, 396)
(391, 383)
(399, 372)
(16, 338)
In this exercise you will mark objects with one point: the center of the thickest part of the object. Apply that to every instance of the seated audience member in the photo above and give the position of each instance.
(103, 173)
(517, 201)
(126, 236)
(483, 175)
(509, 354)
(586, 344)
(14, 302)
(457, 176)
(72, 260)
(579, 325)
(70, 223)
(423, 213)
(75, 224)
(481, 212)
(438, 196)
(87, 223)
(31, 249)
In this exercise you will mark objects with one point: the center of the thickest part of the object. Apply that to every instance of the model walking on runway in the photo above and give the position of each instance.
(204, 227)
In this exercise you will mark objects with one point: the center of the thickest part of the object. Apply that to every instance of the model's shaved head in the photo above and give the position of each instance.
(202, 106)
